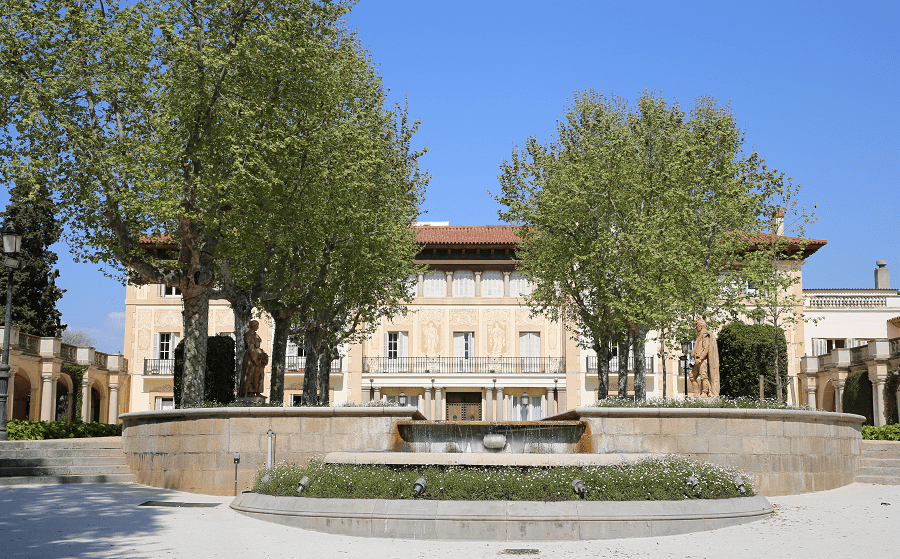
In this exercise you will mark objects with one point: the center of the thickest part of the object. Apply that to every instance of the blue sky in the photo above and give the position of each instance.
(815, 85)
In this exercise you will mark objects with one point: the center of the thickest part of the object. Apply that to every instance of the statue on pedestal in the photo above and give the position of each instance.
(254, 364)
(705, 373)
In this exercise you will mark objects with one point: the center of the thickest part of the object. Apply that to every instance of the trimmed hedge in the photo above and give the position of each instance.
(747, 351)
(22, 430)
(858, 395)
(219, 383)
(890, 398)
(885, 433)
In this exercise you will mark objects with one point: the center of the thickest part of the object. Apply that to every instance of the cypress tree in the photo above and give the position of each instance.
(34, 287)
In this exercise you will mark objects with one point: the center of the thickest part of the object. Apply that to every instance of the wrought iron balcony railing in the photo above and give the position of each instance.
(487, 365)
(614, 364)
(159, 366)
(294, 363)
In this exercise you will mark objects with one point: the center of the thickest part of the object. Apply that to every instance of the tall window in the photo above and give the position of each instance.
(164, 345)
(492, 284)
(463, 351)
(463, 284)
(436, 284)
(396, 351)
(169, 291)
(530, 351)
(519, 286)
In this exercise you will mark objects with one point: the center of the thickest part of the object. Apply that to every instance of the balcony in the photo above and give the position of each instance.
(294, 363)
(614, 364)
(159, 366)
(462, 365)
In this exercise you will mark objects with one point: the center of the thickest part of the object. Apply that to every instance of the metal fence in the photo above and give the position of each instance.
(294, 363)
(614, 364)
(462, 365)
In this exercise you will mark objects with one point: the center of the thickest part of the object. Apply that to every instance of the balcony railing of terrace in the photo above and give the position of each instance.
(463, 365)
(294, 363)
(159, 366)
(614, 364)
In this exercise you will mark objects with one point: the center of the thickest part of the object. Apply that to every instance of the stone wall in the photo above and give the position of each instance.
(192, 450)
(785, 452)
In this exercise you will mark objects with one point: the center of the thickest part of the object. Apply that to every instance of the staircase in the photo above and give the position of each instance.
(92, 460)
(880, 463)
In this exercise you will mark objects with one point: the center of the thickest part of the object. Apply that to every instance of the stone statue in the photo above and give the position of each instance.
(255, 361)
(498, 339)
(705, 374)
(431, 340)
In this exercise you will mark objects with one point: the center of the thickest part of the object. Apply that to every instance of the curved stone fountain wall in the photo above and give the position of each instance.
(785, 452)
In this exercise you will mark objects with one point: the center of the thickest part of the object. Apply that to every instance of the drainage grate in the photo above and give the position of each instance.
(176, 504)
(520, 551)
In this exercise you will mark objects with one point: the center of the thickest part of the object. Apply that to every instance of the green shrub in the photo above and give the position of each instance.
(219, 383)
(858, 395)
(22, 430)
(890, 397)
(885, 433)
(747, 351)
(652, 479)
(746, 403)
(76, 373)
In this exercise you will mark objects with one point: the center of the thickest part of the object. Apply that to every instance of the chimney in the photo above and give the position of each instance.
(779, 222)
(882, 276)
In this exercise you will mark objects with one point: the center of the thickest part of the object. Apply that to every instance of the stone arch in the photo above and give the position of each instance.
(828, 403)
(21, 404)
(65, 398)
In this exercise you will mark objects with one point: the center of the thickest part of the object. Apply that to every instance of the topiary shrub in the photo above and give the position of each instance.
(890, 398)
(219, 382)
(747, 351)
(858, 395)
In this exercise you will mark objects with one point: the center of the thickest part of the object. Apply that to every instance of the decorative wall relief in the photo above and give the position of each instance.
(294, 386)
(523, 316)
(401, 320)
(224, 318)
(431, 322)
(463, 317)
(143, 339)
(552, 337)
(167, 317)
(495, 330)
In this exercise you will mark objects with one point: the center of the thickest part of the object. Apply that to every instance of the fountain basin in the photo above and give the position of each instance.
(502, 520)
(513, 437)
(481, 459)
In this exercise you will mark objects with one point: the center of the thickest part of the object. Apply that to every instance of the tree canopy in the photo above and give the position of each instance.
(638, 218)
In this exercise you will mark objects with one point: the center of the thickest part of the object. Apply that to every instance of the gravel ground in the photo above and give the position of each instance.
(56, 521)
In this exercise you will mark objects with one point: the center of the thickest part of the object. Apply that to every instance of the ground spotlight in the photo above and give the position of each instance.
(579, 487)
(739, 484)
(266, 478)
(419, 487)
(695, 484)
(304, 481)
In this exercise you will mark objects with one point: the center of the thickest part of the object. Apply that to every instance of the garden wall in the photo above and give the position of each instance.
(192, 450)
(786, 452)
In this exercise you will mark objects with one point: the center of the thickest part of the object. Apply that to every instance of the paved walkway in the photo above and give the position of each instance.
(82, 521)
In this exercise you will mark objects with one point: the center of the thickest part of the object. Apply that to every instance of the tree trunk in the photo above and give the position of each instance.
(603, 357)
(624, 347)
(311, 368)
(640, 369)
(662, 356)
(282, 320)
(325, 376)
(196, 329)
(242, 308)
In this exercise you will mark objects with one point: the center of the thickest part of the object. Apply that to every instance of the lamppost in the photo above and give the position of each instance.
(12, 243)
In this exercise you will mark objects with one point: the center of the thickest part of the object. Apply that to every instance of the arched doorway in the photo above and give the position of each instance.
(95, 406)
(828, 403)
(21, 397)
(62, 402)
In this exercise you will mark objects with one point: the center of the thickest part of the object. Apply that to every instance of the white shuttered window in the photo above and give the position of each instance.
(492, 284)
(436, 284)
(463, 284)
(519, 286)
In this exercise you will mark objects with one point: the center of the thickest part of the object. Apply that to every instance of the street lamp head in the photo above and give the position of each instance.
(402, 399)
(12, 238)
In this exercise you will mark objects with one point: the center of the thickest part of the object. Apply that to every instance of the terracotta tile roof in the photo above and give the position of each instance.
(467, 234)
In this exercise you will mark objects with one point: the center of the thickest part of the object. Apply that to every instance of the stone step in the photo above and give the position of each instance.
(48, 480)
(881, 463)
(880, 480)
(98, 461)
(64, 470)
(60, 452)
(878, 447)
(92, 442)
(874, 471)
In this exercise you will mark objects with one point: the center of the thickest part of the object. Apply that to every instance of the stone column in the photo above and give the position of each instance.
(48, 396)
(478, 284)
(113, 403)
(544, 406)
(426, 405)
(838, 395)
(878, 400)
(506, 284)
(500, 406)
(10, 393)
(561, 395)
(811, 397)
(420, 285)
(555, 397)
(439, 413)
(377, 392)
(86, 399)
(489, 404)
